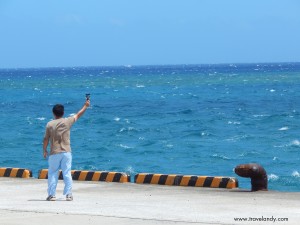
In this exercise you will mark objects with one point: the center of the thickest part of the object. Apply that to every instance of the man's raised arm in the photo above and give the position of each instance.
(82, 110)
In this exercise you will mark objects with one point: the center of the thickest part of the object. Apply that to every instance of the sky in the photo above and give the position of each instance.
(70, 33)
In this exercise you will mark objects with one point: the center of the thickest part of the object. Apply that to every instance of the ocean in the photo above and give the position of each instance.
(169, 119)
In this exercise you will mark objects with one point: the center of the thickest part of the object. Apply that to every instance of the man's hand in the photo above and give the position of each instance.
(45, 154)
(45, 144)
(87, 103)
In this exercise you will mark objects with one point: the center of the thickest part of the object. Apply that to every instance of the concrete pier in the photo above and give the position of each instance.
(22, 201)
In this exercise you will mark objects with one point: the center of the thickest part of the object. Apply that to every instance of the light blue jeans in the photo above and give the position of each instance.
(61, 161)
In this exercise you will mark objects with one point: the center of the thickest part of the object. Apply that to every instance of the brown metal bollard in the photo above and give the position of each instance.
(258, 175)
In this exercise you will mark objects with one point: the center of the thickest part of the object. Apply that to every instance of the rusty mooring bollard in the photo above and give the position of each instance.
(258, 175)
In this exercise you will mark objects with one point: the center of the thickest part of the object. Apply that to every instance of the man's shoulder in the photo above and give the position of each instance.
(50, 122)
(70, 119)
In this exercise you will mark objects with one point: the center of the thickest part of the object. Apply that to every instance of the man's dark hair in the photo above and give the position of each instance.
(58, 110)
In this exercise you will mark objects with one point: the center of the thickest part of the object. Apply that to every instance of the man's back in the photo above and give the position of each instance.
(58, 132)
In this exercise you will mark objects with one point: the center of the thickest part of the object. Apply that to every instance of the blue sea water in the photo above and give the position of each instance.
(182, 119)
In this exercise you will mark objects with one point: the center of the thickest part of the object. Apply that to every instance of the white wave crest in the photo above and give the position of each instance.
(273, 177)
(295, 143)
(127, 129)
(295, 174)
(220, 156)
(283, 128)
(125, 146)
(169, 146)
(260, 115)
(117, 119)
(234, 122)
(41, 118)
(236, 138)
(130, 170)
(204, 134)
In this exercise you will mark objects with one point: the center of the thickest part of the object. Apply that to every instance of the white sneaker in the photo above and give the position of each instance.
(51, 198)
(69, 197)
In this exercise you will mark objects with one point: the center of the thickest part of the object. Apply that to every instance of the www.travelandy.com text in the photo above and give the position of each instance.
(261, 219)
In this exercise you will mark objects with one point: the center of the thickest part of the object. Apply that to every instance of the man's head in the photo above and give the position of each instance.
(58, 110)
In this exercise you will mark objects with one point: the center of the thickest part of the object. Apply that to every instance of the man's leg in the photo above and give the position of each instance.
(54, 165)
(66, 170)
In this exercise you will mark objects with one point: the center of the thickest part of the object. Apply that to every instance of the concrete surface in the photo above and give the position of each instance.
(22, 201)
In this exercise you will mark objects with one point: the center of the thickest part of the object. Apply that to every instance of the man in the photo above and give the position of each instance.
(58, 133)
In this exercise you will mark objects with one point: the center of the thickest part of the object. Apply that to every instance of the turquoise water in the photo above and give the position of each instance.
(185, 119)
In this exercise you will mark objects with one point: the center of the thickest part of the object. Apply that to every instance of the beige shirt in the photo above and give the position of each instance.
(58, 132)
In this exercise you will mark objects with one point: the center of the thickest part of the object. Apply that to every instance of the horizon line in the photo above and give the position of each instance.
(144, 65)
